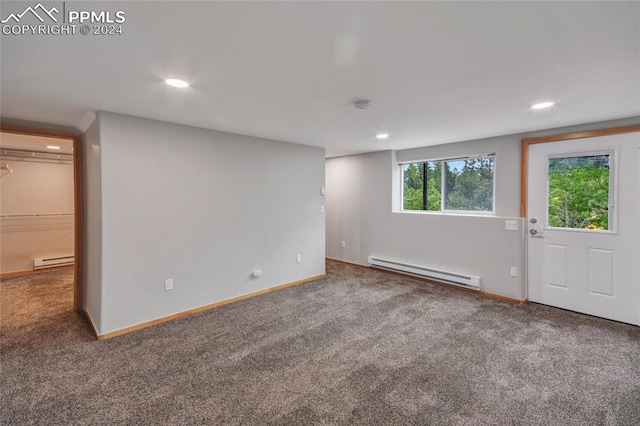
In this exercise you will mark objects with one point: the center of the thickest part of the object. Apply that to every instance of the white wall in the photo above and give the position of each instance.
(92, 293)
(359, 212)
(35, 188)
(362, 210)
(205, 208)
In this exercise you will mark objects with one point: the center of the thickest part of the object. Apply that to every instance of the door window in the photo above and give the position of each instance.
(579, 192)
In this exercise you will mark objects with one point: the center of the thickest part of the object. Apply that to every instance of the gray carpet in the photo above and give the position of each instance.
(359, 347)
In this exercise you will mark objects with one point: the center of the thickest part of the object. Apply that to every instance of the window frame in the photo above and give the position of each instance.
(443, 186)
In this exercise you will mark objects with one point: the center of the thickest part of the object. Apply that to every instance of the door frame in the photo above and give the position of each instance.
(78, 200)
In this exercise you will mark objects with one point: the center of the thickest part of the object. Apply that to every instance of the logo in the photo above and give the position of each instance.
(49, 20)
(34, 12)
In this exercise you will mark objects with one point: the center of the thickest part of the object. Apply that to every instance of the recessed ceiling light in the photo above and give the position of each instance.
(175, 82)
(53, 147)
(382, 136)
(542, 105)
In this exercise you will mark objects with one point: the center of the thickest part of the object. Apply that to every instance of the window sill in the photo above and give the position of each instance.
(489, 215)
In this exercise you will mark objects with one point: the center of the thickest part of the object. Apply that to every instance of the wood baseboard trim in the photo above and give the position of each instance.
(15, 273)
(504, 298)
(360, 265)
(430, 281)
(91, 324)
(204, 308)
(32, 271)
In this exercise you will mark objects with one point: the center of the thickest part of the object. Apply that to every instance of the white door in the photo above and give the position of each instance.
(583, 218)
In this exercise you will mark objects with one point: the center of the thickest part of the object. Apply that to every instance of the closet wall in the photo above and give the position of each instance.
(36, 212)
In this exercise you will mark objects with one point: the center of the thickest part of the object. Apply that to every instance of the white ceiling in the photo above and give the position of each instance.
(436, 72)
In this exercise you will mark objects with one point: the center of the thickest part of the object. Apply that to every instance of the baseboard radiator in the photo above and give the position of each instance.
(468, 281)
(51, 262)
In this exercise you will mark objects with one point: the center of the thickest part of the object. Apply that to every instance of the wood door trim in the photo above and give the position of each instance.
(78, 189)
(524, 156)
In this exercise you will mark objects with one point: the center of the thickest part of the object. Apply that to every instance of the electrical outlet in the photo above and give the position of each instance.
(343, 244)
(511, 225)
(168, 284)
(322, 191)
(299, 258)
(321, 209)
(514, 271)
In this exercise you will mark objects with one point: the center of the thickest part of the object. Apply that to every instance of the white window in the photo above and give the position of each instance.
(455, 185)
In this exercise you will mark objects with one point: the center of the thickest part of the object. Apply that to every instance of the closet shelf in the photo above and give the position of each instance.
(36, 221)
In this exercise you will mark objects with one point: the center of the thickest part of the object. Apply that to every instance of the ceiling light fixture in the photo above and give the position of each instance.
(543, 105)
(382, 136)
(175, 82)
(362, 104)
(53, 147)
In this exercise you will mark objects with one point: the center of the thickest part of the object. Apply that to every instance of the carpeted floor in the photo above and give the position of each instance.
(359, 347)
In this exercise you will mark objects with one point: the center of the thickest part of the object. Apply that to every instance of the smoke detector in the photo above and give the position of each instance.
(362, 104)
